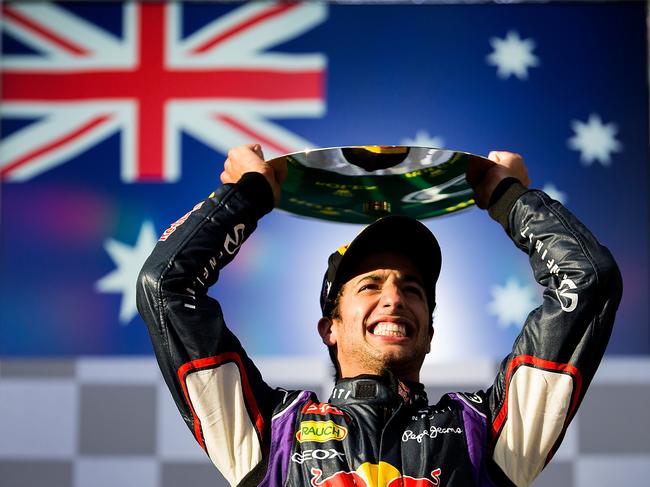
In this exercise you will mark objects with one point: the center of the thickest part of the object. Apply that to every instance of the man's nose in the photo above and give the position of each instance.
(391, 296)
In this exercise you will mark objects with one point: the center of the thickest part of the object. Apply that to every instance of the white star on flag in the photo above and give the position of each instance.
(551, 190)
(423, 139)
(512, 55)
(512, 303)
(595, 140)
(129, 261)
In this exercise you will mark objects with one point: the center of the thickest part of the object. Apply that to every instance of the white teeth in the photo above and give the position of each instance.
(389, 330)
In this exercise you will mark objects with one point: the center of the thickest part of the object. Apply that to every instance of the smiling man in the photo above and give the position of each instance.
(379, 292)
(378, 297)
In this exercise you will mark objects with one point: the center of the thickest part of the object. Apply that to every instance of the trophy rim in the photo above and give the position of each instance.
(361, 188)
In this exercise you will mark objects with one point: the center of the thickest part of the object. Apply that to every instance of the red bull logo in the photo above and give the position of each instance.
(406, 481)
(339, 479)
(372, 475)
(179, 222)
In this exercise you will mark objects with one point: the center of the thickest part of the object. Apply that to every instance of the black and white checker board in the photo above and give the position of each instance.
(111, 422)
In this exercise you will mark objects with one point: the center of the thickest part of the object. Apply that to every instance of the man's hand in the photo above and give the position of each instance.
(249, 158)
(484, 177)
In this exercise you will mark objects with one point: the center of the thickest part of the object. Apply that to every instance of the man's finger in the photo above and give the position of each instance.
(479, 197)
(258, 150)
(280, 170)
(476, 170)
(494, 156)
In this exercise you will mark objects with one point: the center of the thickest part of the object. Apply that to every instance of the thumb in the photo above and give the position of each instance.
(258, 150)
(494, 156)
(280, 168)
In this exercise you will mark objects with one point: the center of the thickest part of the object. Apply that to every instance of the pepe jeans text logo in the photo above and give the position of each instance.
(432, 432)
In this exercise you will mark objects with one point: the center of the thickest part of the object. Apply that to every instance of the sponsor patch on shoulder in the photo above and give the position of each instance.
(172, 228)
(320, 431)
(321, 409)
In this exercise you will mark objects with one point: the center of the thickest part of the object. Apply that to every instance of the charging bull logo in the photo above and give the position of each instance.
(339, 479)
(372, 475)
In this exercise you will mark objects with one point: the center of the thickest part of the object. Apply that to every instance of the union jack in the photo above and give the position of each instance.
(218, 84)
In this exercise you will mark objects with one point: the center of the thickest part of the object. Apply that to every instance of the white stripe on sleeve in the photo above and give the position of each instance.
(538, 403)
(231, 439)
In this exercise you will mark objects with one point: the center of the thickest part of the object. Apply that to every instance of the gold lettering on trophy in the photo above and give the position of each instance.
(345, 187)
(459, 206)
(429, 171)
(322, 209)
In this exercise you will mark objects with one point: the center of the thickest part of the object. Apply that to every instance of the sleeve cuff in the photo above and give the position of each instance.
(256, 189)
(503, 199)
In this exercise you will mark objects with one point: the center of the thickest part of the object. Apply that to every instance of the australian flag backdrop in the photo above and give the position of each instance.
(116, 118)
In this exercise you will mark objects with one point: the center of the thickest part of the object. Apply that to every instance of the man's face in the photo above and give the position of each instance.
(384, 319)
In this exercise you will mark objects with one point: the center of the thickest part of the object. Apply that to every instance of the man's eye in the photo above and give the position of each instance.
(415, 290)
(368, 287)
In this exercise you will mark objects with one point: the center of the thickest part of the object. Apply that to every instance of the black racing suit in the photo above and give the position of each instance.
(376, 431)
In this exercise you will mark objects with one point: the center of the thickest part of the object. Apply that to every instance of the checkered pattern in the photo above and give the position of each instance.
(111, 422)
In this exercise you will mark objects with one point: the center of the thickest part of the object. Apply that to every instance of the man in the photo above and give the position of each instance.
(377, 429)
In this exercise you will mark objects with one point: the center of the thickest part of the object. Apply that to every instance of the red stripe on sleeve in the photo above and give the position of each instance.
(213, 362)
(529, 360)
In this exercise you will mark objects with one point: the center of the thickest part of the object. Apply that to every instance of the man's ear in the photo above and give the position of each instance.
(325, 331)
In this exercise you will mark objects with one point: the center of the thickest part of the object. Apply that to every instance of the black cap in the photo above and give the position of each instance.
(394, 233)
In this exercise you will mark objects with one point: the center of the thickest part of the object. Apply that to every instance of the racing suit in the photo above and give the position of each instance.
(378, 431)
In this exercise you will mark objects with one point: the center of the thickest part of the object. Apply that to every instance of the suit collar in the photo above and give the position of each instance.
(385, 389)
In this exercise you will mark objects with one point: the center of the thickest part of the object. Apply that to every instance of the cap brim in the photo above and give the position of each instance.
(399, 234)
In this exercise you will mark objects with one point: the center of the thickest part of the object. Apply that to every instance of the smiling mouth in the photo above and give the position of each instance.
(389, 330)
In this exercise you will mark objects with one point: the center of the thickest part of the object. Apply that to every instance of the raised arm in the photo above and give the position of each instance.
(541, 383)
(218, 390)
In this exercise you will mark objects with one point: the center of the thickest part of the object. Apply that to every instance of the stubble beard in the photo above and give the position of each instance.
(377, 362)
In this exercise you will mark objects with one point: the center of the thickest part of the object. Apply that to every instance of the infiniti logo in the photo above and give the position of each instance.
(567, 299)
(232, 244)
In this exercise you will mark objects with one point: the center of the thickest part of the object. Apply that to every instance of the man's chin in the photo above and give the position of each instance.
(398, 358)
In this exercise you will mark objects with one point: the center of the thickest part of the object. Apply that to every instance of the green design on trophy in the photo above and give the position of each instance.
(358, 184)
